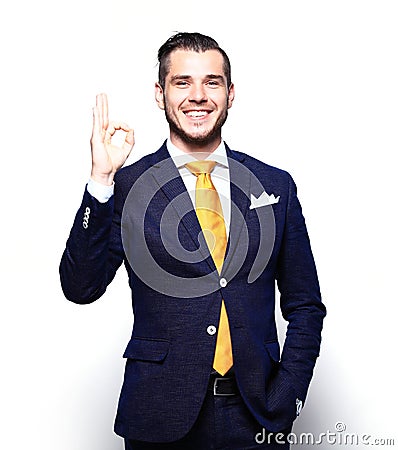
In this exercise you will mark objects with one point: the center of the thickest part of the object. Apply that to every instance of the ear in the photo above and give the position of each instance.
(231, 95)
(159, 95)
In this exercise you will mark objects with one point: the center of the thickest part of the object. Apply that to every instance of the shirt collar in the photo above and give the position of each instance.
(181, 158)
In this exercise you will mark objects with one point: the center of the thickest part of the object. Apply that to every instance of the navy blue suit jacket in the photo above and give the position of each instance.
(170, 354)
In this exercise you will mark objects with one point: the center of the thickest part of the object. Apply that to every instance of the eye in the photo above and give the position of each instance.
(182, 83)
(213, 83)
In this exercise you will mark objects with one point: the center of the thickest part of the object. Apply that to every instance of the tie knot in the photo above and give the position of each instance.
(199, 167)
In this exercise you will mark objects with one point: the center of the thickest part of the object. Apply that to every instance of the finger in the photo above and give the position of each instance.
(120, 126)
(113, 127)
(109, 132)
(98, 104)
(129, 141)
(96, 123)
(105, 111)
(117, 126)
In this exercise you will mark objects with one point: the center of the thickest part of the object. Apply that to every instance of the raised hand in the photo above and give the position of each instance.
(107, 158)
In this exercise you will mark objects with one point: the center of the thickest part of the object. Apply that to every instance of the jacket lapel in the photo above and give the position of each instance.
(240, 182)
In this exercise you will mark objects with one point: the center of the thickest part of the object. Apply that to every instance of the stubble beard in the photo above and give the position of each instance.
(198, 140)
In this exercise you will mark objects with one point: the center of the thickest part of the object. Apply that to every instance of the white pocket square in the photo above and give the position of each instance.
(263, 200)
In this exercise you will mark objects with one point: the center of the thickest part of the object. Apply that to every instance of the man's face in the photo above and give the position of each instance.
(195, 98)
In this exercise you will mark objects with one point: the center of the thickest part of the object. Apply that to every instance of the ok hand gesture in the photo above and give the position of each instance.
(107, 158)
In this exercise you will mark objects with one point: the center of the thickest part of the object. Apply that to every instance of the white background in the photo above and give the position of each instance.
(317, 94)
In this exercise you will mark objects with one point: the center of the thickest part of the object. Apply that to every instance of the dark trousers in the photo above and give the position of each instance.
(224, 423)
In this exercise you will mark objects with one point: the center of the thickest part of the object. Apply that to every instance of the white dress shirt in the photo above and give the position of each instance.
(219, 176)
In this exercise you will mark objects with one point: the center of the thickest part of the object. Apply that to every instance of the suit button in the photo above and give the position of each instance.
(211, 329)
(223, 282)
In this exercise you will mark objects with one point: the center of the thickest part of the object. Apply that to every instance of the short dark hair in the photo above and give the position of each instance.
(196, 42)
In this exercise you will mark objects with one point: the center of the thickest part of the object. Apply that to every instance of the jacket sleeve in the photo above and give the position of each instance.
(93, 251)
(300, 300)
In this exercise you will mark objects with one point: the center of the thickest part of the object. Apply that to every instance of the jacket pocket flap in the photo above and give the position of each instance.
(146, 349)
(273, 350)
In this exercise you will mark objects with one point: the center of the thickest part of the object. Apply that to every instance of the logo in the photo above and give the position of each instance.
(157, 196)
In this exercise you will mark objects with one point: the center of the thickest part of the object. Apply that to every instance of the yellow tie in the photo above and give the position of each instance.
(210, 216)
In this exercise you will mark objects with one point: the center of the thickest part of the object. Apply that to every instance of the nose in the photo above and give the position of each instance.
(197, 93)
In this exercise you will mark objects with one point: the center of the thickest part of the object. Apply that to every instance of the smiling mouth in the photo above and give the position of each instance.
(197, 114)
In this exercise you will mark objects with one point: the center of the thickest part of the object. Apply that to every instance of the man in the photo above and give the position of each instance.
(203, 232)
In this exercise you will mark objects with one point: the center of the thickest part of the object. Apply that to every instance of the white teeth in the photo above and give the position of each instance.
(196, 113)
